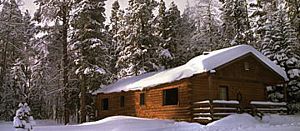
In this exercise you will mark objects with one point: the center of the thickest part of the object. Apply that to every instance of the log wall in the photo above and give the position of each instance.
(114, 107)
(249, 83)
(257, 72)
(200, 87)
(154, 107)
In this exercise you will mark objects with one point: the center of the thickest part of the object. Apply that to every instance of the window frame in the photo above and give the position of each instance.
(105, 107)
(122, 101)
(142, 99)
(247, 66)
(167, 101)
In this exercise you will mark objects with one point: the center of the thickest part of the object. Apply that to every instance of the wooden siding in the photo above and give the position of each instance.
(258, 71)
(154, 107)
(200, 87)
(250, 83)
(114, 107)
(249, 91)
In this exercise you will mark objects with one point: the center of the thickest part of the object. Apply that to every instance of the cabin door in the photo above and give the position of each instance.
(223, 93)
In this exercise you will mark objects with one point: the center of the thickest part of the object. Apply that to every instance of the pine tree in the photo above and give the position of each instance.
(59, 11)
(161, 20)
(236, 22)
(40, 81)
(174, 36)
(90, 44)
(188, 48)
(272, 36)
(27, 55)
(117, 33)
(11, 40)
(167, 31)
(139, 51)
(207, 24)
(292, 64)
(46, 72)
(293, 10)
(278, 42)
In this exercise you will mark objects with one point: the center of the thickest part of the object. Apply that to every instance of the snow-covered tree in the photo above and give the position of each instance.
(235, 22)
(168, 31)
(139, 54)
(293, 10)
(23, 118)
(90, 45)
(278, 42)
(117, 33)
(12, 37)
(188, 49)
(59, 12)
(207, 22)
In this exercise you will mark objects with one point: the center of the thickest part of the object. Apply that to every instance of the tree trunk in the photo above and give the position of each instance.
(65, 64)
(83, 99)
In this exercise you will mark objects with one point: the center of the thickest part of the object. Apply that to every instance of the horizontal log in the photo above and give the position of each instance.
(201, 108)
(202, 118)
(223, 114)
(224, 108)
(268, 103)
(272, 109)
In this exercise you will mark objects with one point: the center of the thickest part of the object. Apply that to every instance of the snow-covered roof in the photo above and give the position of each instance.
(199, 64)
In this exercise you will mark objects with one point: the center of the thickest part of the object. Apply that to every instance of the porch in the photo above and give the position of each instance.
(210, 110)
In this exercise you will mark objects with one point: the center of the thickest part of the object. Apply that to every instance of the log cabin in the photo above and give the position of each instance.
(237, 74)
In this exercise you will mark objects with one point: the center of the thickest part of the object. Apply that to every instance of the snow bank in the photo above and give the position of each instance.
(245, 122)
(200, 64)
(277, 123)
(237, 122)
(126, 123)
(282, 120)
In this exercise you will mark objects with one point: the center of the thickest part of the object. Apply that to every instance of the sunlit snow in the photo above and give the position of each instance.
(238, 122)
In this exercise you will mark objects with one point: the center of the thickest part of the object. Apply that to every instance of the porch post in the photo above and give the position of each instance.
(211, 73)
(209, 87)
(285, 92)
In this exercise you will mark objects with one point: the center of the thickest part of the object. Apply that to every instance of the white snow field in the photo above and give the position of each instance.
(238, 122)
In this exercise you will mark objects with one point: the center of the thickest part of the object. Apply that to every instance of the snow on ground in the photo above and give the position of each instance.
(239, 122)
(8, 126)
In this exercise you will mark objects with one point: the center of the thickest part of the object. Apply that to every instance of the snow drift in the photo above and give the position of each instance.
(237, 122)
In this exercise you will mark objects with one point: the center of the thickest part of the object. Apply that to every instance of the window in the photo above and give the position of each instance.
(142, 99)
(122, 101)
(223, 93)
(246, 66)
(105, 104)
(170, 96)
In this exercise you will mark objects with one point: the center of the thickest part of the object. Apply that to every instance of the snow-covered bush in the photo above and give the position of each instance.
(23, 118)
